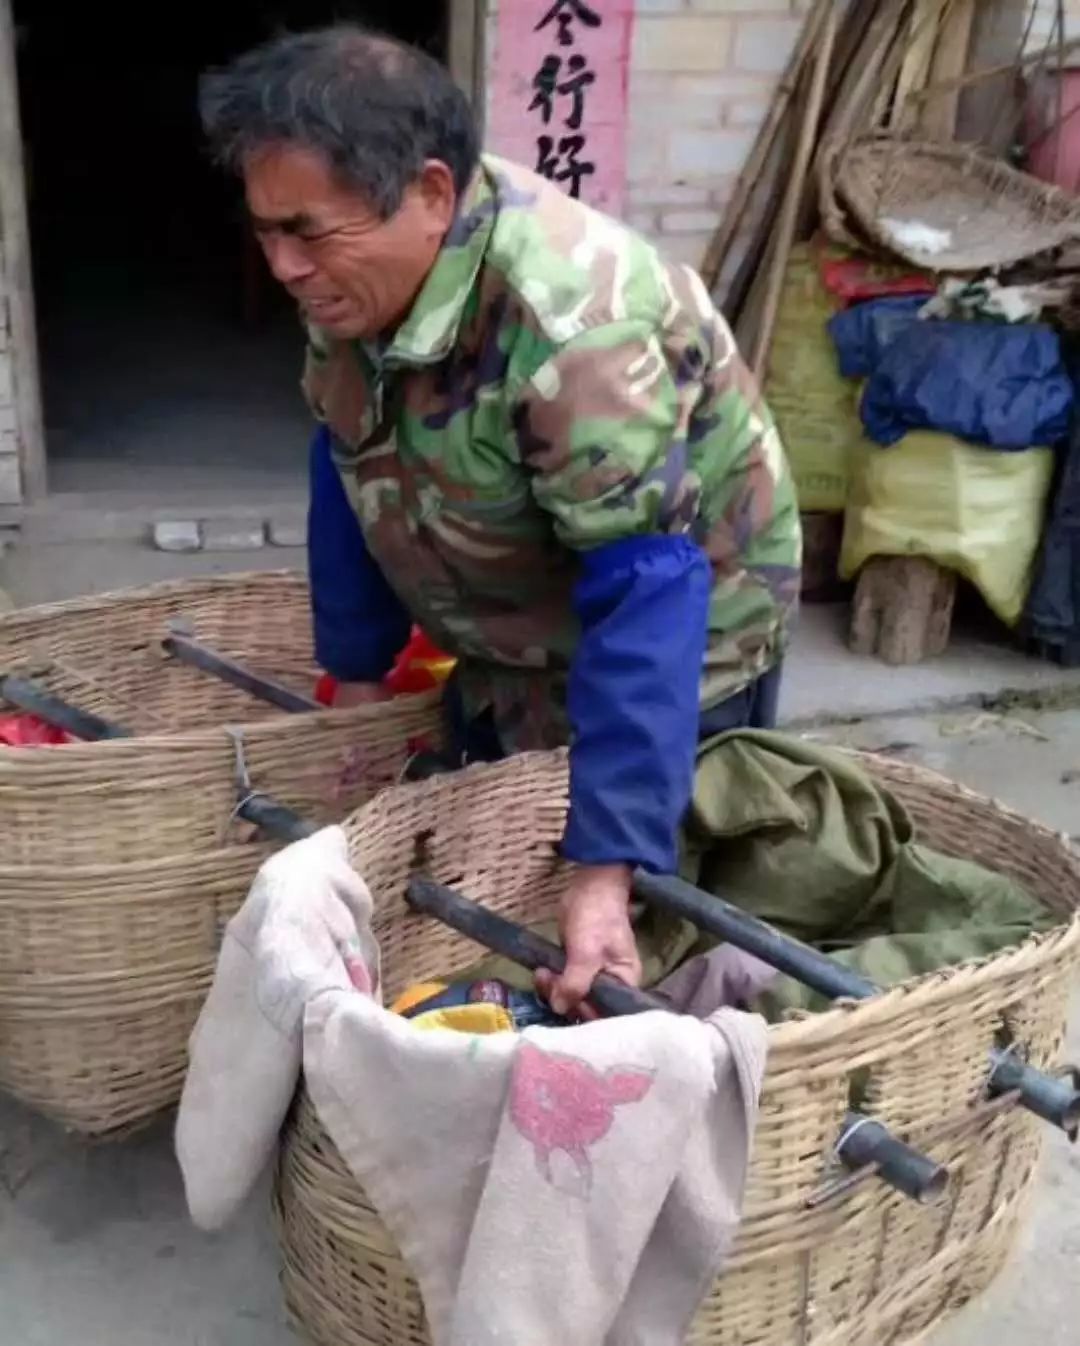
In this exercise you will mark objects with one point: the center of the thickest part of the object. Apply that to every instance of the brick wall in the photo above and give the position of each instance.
(702, 76)
(1042, 16)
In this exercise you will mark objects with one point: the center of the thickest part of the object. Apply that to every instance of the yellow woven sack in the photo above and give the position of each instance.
(816, 410)
(975, 510)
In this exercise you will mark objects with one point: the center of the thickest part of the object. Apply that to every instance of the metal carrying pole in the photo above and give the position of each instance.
(36, 700)
(516, 942)
(746, 932)
(181, 644)
(275, 819)
(864, 1142)
(1055, 1100)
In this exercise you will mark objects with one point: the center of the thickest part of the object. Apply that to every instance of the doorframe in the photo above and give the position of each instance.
(466, 46)
(17, 277)
(466, 52)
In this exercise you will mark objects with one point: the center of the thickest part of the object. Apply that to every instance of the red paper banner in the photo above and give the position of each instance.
(558, 93)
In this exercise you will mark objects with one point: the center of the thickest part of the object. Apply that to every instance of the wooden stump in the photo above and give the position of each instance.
(903, 609)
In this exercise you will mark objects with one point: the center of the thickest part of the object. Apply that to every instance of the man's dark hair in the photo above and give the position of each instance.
(375, 108)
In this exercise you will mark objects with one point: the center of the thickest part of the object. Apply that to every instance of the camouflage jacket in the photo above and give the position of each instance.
(557, 386)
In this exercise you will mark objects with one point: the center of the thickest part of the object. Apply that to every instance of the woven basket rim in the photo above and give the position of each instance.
(924, 991)
(951, 154)
(272, 722)
(844, 187)
(932, 988)
(280, 725)
(83, 604)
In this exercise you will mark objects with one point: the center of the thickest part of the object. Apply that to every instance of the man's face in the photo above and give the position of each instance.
(354, 274)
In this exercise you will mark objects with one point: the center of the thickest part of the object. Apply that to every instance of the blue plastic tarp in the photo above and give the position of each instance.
(1005, 386)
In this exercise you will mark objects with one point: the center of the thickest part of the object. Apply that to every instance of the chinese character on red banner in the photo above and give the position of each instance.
(566, 13)
(559, 93)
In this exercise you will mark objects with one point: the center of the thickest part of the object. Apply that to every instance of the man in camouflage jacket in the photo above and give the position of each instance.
(559, 465)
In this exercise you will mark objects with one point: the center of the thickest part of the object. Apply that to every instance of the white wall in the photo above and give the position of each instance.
(703, 73)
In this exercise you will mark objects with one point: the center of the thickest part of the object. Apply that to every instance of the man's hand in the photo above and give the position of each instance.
(594, 921)
(349, 694)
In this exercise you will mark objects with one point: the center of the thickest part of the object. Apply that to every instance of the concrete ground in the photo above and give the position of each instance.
(95, 1246)
(48, 574)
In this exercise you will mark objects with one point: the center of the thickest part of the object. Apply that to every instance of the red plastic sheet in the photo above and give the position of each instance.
(853, 279)
(419, 667)
(27, 731)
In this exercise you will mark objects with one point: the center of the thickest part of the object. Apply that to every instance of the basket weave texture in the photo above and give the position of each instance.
(120, 861)
(993, 214)
(864, 1266)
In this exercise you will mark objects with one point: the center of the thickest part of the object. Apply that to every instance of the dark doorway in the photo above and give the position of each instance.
(170, 362)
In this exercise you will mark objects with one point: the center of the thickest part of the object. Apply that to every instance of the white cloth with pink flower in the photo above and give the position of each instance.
(577, 1185)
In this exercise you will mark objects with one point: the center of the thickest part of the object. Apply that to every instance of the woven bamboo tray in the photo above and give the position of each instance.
(860, 1268)
(120, 862)
(987, 213)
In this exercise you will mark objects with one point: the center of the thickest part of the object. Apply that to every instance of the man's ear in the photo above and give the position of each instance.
(438, 194)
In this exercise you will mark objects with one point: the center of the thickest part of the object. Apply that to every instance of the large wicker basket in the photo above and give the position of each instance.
(854, 1268)
(121, 861)
(987, 214)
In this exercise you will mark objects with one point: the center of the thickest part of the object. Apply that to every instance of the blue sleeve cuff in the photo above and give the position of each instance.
(360, 625)
(633, 699)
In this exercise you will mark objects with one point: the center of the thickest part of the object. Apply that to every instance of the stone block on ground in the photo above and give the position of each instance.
(10, 480)
(287, 533)
(233, 534)
(903, 609)
(178, 535)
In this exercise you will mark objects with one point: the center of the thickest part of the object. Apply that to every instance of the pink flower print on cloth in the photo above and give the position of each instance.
(561, 1104)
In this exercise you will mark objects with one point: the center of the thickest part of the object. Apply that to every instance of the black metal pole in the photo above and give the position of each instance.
(276, 820)
(609, 995)
(865, 1142)
(196, 655)
(914, 1174)
(746, 932)
(35, 700)
(1054, 1099)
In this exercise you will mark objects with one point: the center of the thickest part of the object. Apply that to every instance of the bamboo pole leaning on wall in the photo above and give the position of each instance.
(765, 144)
(789, 211)
(939, 113)
(924, 28)
(891, 66)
